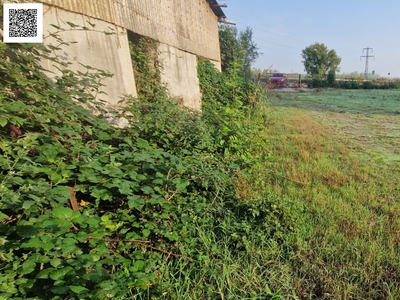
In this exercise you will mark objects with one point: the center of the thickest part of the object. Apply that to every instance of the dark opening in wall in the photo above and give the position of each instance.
(134, 37)
(146, 68)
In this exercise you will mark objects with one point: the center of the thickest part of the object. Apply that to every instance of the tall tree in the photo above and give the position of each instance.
(319, 60)
(229, 46)
(237, 48)
(250, 51)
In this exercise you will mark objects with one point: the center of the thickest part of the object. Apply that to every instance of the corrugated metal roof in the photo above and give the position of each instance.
(216, 9)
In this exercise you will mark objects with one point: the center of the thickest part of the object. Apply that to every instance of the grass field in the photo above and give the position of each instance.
(336, 165)
(368, 120)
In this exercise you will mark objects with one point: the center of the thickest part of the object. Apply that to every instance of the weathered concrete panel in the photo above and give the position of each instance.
(96, 49)
(179, 74)
(217, 65)
(189, 25)
(185, 29)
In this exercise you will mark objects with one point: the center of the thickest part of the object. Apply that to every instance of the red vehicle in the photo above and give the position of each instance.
(278, 79)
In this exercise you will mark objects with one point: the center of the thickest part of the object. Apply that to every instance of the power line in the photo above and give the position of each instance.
(257, 28)
(280, 35)
(366, 59)
(277, 44)
(278, 50)
(263, 25)
(283, 36)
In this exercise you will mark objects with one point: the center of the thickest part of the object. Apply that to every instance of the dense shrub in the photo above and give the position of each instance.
(318, 83)
(368, 85)
(89, 211)
(331, 78)
(354, 85)
(331, 82)
(349, 85)
(394, 85)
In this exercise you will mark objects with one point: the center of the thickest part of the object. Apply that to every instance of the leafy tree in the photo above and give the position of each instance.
(319, 60)
(249, 48)
(229, 46)
(237, 47)
(331, 78)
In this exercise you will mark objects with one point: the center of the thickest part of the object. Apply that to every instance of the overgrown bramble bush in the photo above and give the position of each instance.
(144, 193)
(227, 101)
(144, 57)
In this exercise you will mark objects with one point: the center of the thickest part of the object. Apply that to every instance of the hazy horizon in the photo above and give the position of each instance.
(282, 29)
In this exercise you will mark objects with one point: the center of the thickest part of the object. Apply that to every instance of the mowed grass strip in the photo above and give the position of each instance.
(368, 120)
(347, 243)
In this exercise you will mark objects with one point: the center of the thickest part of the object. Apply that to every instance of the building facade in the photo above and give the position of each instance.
(185, 30)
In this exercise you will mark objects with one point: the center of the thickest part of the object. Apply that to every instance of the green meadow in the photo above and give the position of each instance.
(283, 195)
(337, 162)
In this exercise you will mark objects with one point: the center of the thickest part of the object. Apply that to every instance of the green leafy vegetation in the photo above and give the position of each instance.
(244, 200)
(89, 211)
(237, 48)
(147, 70)
(348, 247)
(319, 60)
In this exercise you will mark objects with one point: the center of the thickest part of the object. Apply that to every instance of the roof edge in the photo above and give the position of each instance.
(216, 9)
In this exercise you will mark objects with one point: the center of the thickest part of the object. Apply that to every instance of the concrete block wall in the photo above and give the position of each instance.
(189, 25)
(186, 29)
(93, 48)
(179, 75)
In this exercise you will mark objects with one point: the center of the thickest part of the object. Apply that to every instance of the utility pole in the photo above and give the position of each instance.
(366, 59)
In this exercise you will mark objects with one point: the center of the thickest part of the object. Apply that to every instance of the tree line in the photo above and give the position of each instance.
(239, 48)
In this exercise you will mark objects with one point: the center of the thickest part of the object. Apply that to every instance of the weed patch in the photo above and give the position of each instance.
(89, 211)
(240, 201)
(349, 238)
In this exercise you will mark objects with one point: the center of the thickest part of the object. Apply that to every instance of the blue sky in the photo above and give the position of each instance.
(281, 29)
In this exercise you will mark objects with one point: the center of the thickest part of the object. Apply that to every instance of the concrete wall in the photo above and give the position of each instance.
(179, 75)
(189, 25)
(93, 48)
(217, 64)
(186, 29)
